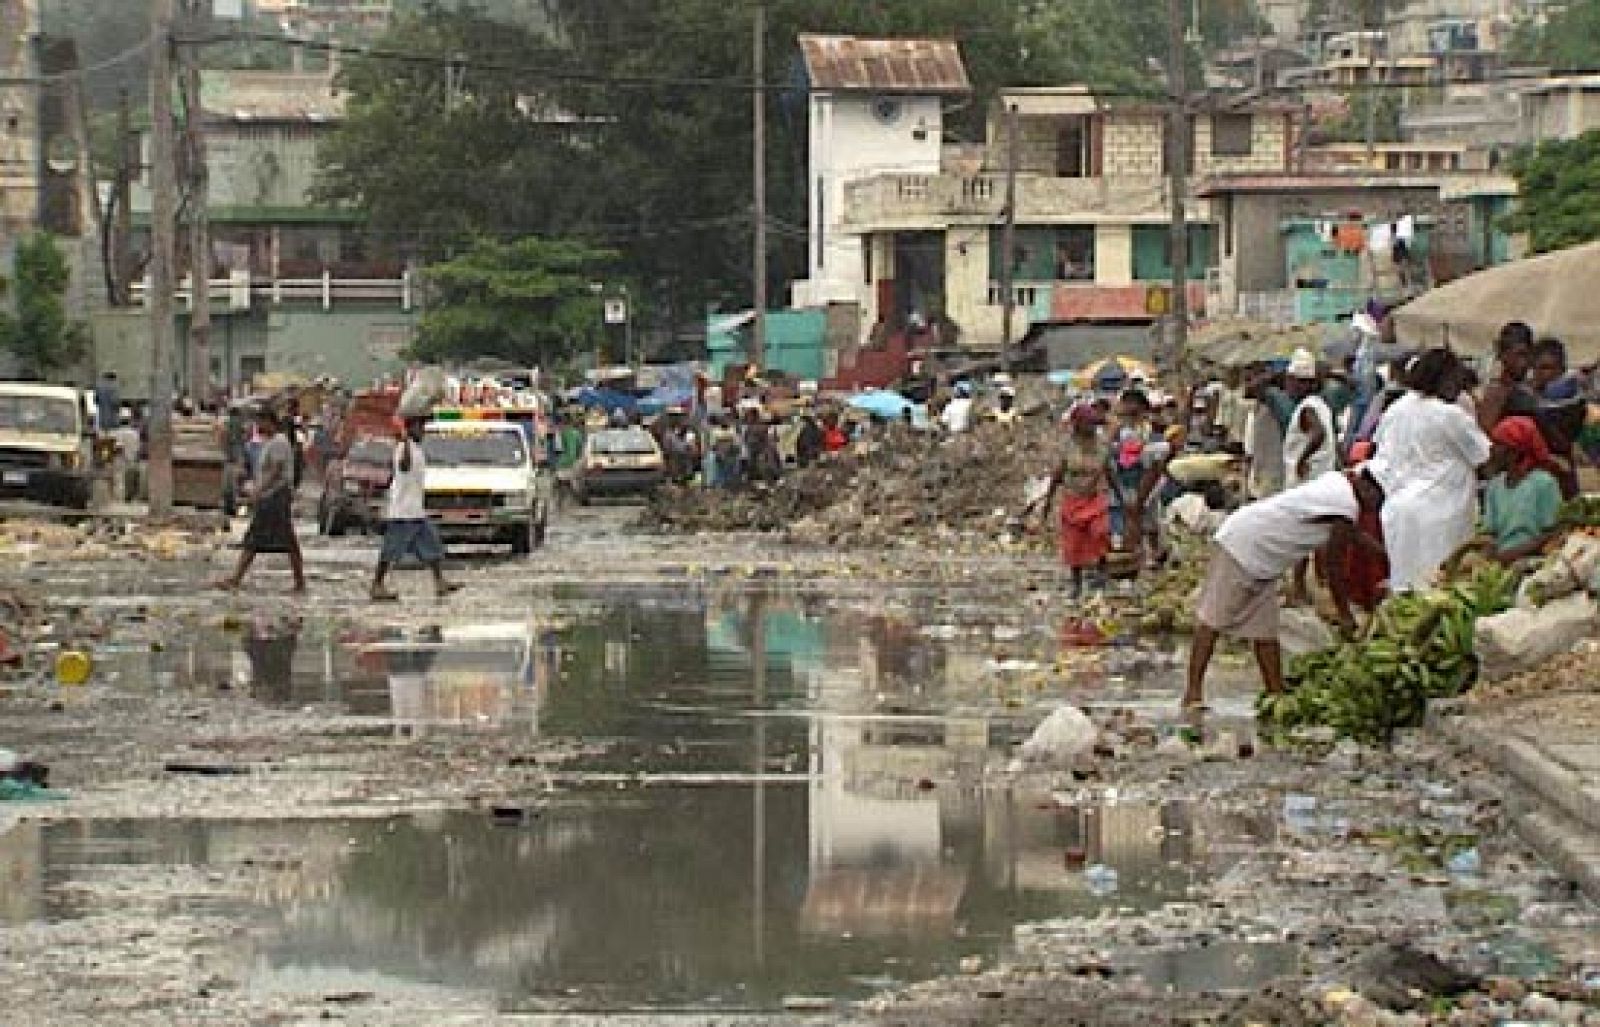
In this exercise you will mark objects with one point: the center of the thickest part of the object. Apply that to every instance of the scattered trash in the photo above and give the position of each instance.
(204, 769)
(1100, 879)
(73, 667)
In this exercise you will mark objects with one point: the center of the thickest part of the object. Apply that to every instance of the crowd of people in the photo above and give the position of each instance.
(1427, 471)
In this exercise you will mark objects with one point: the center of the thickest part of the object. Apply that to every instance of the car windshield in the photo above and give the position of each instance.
(622, 443)
(475, 449)
(39, 415)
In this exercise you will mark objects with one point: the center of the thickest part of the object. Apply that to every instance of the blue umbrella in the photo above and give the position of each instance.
(884, 403)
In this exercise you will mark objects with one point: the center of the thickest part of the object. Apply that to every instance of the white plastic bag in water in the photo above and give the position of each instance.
(1064, 735)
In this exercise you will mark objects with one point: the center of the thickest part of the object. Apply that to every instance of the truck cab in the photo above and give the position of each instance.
(485, 485)
(46, 445)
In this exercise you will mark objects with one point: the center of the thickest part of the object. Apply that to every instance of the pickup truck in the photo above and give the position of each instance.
(484, 485)
(46, 445)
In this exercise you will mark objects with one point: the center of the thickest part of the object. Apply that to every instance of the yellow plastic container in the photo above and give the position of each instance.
(73, 667)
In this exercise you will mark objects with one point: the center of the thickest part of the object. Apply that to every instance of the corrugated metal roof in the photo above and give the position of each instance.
(851, 64)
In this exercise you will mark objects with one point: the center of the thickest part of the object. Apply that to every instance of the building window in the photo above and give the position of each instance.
(1074, 148)
(1230, 135)
(866, 259)
(1064, 254)
(822, 222)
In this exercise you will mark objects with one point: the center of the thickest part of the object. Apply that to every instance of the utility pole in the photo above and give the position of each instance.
(1008, 243)
(163, 227)
(1375, 17)
(758, 327)
(199, 217)
(1178, 176)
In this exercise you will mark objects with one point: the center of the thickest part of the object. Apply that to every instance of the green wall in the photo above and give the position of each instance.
(1150, 243)
(796, 343)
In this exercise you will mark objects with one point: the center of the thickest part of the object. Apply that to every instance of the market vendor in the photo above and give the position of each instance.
(1259, 544)
(1522, 504)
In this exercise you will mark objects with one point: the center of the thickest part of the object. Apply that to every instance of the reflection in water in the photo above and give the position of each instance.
(881, 855)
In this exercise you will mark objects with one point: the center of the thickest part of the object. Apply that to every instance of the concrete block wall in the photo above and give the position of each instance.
(1133, 145)
(1269, 148)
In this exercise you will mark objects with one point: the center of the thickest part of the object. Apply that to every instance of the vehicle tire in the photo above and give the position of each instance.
(522, 539)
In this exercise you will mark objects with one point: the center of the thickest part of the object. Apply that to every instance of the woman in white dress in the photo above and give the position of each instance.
(1428, 451)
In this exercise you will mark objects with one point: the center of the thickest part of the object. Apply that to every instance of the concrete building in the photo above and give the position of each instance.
(876, 106)
(298, 286)
(20, 165)
(1300, 248)
(1561, 107)
(1092, 212)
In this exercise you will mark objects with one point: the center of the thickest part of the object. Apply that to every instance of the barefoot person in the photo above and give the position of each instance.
(272, 518)
(1256, 547)
(407, 530)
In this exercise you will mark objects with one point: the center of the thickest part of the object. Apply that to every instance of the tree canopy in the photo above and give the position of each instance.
(38, 330)
(1558, 186)
(530, 301)
(1569, 40)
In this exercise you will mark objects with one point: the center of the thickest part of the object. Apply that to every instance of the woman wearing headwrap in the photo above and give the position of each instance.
(1085, 517)
(1523, 501)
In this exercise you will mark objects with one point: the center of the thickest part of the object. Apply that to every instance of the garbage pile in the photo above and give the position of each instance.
(905, 489)
(24, 542)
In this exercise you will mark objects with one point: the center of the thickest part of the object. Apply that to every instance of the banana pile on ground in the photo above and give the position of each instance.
(1418, 647)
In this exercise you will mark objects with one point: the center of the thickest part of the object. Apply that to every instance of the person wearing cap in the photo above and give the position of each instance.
(1005, 412)
(1427, 452)
(1252, 551)
(1308, 442)
(1085, 514)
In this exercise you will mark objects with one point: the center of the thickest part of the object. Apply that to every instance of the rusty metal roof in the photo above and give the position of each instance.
(851, 64)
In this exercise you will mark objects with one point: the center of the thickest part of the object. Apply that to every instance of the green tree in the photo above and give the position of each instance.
(1569, 40)
(37, 330)
(530, 301)
(1558, 193)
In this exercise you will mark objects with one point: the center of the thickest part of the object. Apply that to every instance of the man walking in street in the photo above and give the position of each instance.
(407, 530)
(272, 519)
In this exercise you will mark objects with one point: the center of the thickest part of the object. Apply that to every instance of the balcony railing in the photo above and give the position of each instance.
(241, 291)
(888, 198)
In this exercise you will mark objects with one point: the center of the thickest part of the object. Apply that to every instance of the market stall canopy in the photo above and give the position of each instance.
(1113, 373)
(1239, 343)
(1558, 294)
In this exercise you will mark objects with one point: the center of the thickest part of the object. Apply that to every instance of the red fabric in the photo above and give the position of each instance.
(834, 440)
(1085, 529)
(1364, 570)
(1522, 436)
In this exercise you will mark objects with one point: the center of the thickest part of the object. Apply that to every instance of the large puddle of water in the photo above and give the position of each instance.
(836, 835)
(720, 896)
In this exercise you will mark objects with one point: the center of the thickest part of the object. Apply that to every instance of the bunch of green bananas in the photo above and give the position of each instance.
(1418, 647)
(1582, 512)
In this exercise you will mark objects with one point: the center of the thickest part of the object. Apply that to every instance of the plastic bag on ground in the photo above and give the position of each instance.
(1061, 737)
(1521, 639)
(1568, 571)
(1301, 631)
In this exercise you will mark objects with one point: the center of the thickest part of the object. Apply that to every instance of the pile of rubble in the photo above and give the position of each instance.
(24, 542)
(905, 489)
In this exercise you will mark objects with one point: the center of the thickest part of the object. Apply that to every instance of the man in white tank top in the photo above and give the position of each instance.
(1260, 543)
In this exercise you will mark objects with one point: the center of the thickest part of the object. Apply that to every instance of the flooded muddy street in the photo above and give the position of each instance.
(631, 779)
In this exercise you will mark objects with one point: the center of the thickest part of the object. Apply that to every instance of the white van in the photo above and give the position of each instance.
(484, 484)
(46, 444)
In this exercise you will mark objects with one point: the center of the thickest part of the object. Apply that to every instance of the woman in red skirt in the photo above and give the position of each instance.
(1085, 517)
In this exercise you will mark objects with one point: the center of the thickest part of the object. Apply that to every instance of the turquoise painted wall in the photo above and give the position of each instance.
(796, 343)
(1150, 263)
